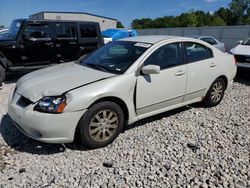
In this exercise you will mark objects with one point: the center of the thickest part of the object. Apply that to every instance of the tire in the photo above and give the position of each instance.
(215, 93)
(100, 125)
(2, 74)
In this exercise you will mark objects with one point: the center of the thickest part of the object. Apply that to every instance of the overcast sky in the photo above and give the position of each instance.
(123, 10)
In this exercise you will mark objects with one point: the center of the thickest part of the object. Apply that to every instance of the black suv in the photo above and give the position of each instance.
(33, 44)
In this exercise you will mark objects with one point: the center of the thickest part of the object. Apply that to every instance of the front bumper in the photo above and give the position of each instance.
(50, 128)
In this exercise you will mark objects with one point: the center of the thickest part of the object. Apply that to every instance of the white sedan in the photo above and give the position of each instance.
(242, 54)
(213, 41)
(119, 84)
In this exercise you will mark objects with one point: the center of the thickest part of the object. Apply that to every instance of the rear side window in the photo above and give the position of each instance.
(37, 30)
(210, 41)
(166, 56)
(197, 52)
(65, 30)
(88, 31)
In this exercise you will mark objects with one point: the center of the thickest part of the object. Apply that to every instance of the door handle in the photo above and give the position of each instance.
(179, 73)
(212, 65)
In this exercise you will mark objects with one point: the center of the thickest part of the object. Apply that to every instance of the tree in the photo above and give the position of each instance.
(142, 24)
(166, 21)
(201, 18)
(226, 15)
(239, 9)
(217, 21)
(237, 13)
(188, 19)
(119, 25)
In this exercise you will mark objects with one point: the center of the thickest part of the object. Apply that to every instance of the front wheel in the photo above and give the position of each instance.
(100, 125)
(2, 74)
(215, 93)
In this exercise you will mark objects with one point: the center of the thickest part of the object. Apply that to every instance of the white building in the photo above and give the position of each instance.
(105, 22)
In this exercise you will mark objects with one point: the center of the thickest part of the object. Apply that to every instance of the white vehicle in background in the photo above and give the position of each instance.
(242, 54)
(213, 41)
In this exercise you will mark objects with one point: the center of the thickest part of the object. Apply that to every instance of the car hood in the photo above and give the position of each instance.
(56, 80)
(241, 50)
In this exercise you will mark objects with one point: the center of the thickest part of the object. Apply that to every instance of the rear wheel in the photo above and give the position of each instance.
(100, 125)
(2, 74)
(215, 93)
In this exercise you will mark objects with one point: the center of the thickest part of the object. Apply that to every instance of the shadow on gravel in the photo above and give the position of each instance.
(17, 140)
(243, 77)
(160, 116)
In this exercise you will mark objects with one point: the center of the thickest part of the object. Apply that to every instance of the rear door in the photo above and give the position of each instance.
(66, 41)
(202, 69)
(38, 47)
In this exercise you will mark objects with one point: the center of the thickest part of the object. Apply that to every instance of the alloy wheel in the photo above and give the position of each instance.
(103, 125)
(217, 92)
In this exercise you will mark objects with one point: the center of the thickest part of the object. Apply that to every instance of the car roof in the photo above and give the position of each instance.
(150, 38)
(199, 36)
(58, 21)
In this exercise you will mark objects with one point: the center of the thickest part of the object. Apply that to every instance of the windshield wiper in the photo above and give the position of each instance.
(97, 66)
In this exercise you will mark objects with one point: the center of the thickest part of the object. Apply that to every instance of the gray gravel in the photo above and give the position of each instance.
(188, 147)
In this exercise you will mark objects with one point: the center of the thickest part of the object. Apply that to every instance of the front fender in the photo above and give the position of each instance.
(122, 87)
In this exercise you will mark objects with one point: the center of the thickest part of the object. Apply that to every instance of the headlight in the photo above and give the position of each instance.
(51, 104)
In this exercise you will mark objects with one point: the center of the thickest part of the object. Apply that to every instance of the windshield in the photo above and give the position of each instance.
(246, 42)
(12, 32)
(115, 57)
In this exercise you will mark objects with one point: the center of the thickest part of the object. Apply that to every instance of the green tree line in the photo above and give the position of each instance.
(237, 13)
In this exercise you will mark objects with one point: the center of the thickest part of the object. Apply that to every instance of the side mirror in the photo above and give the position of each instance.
(151, 69)
(240, 42)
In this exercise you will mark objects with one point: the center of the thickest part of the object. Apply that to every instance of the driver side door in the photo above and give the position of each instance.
(157, 92)
(37, 47)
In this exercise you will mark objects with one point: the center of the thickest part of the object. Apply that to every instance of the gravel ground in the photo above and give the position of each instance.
(189, 147)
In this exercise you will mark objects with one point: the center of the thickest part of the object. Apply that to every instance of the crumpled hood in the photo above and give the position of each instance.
(56, 80)
(241, 50)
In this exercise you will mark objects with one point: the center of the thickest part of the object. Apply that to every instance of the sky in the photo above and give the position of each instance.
(122, 10)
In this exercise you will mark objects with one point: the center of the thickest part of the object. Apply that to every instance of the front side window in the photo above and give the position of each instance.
(37, 30)
(88, 31)
(65, 30)
(197, 52)
(166, 56)
(115, 57)
(11, 33)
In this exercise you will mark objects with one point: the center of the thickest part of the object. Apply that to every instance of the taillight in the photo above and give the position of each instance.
(235, 62)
